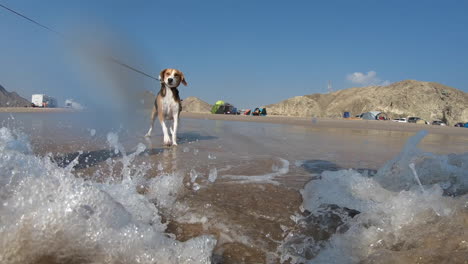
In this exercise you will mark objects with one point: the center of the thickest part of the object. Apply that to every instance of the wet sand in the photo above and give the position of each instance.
(285, 120)
(332, 123)
(261, 164)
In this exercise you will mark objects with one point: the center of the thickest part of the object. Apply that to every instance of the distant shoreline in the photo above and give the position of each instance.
(34, 110)
(286, 120)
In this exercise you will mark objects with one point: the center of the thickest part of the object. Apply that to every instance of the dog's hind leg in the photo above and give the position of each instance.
(153, 117)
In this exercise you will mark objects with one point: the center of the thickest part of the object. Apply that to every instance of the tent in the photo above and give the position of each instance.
(221, 107)
(371, 115)
(259, 112)
(256, 112)
(421, 121)
(218, 107)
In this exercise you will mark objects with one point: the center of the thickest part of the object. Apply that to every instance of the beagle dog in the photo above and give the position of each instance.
(168, 104)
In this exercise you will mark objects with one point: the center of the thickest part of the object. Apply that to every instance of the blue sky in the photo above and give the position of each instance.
(249, 53)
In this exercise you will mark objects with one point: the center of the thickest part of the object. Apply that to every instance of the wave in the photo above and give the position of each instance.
(48, 215)
(396, 216)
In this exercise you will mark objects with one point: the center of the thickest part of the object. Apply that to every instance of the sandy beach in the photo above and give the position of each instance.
(244, 181)
(328, 122)
(291, 120)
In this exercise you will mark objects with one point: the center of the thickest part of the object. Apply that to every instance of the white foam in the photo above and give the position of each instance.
(393, 209)
(385, 216)
(282, 169)
(48, 213)
(346, 188)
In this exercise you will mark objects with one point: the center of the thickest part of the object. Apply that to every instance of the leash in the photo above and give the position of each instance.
(112, 59)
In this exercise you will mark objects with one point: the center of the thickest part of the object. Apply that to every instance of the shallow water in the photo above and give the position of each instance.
(77, 189)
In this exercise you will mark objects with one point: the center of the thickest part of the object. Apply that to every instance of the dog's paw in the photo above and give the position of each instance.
(174, 144)
(148, 135)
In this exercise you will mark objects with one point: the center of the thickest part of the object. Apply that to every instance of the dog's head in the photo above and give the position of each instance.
(172, 78)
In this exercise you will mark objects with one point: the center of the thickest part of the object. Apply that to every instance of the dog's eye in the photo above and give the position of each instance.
(176, 75)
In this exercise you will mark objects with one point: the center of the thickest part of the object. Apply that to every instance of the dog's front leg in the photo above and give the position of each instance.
(167, 139)
(174, 130)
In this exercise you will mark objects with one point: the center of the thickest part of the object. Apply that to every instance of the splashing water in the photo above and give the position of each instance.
(351, 218)
(413, 169)
(49, 215)
(213, 174)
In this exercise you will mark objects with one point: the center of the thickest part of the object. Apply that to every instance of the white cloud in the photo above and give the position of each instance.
(366, 79)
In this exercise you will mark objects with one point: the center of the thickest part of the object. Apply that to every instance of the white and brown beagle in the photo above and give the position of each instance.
(168, 104)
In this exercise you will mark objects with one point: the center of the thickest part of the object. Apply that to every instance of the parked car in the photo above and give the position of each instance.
(461, 124)
(413, 119)
(438, 123)
(400, 120)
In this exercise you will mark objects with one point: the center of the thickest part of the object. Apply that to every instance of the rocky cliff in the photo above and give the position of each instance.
(428, 100)
(12, 99)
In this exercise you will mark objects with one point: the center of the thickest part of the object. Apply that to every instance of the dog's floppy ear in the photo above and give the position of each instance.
(161, 75)
(182, 78)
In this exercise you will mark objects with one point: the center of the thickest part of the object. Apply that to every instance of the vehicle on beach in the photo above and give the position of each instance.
(461, 124)
(42, 100)
(413, 119)
(400, 120)
(438, 123)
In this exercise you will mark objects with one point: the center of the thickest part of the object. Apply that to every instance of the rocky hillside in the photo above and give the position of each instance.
(428, 100)
(195, 105)
(12, 99)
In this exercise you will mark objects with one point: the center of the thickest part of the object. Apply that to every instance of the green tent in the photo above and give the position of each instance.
(218, 106)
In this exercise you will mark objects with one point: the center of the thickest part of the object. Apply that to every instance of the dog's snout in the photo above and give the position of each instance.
(169, 80)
